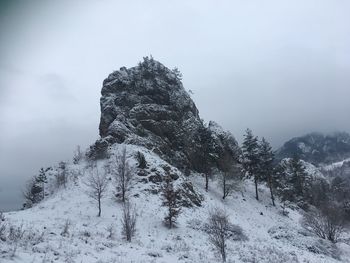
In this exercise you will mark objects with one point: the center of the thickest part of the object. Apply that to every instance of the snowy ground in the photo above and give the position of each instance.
(271, 237)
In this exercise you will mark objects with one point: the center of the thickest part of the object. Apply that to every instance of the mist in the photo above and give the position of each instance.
(280, 68)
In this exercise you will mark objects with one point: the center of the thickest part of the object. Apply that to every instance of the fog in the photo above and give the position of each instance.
(278, 67)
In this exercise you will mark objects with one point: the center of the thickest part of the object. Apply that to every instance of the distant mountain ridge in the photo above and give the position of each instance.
(317, 148)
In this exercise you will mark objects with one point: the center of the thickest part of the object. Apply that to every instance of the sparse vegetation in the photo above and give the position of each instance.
(123, 175)
(171, 201)
(129, 221)
(218, 231)
(141, 160)
(326, 223)
(97, 185)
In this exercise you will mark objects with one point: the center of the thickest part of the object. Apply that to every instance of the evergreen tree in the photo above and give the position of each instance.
(171, 202)
(250, 149)
(41, 180)
(32, 193)
(294, 184)
(204, 151)
(281, 184)
(299, 178)
(266, 165)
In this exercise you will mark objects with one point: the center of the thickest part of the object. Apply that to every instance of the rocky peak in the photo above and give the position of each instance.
(147, 105)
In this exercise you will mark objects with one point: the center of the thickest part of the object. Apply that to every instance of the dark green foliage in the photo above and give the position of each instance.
(204, 150)
(250, 154)
(266, 165)
(293, 183)
(171, 199)
(141, 160)
(41, 180)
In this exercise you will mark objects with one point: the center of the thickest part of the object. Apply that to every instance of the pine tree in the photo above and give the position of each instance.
(41, 180)
(293, 182)
(204, 150)
(266, 166)
(299, 178)
(171, 202)
(250, 158)
(282, 186)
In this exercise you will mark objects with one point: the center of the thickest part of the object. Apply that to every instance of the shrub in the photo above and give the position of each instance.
(140, 157)
(326, 223)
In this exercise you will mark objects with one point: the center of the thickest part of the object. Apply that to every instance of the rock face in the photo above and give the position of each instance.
(147, 105)
(318, 148)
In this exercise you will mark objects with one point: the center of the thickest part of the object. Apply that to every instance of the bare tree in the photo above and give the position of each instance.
(218, 230)
(128, 221)
(171, 202)
(97, 185)
(66, 226)
(15, 236)
(61, 177)
(327, 223)
(123, 175)
(231, 176)
(78, 155)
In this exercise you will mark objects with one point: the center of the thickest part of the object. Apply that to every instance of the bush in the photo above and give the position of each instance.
(326, 223)
(78, 155)
(128, 221)
(218, 231)
(140, 157)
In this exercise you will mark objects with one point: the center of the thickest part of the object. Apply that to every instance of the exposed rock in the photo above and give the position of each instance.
(147, 105)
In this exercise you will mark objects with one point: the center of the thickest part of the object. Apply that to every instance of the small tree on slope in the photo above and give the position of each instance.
(41, 179)
(250, 158)
(218, 231)
(128, 221)
(97, 185)
(123, 175)
(171, 202)
(32, 193)
(204, 151)
(229, 172)
(266, 166)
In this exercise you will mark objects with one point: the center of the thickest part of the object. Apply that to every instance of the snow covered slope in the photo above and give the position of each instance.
(269, 236)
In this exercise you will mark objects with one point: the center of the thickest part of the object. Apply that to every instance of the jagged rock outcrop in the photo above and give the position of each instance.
(147, 105)
(318, 148)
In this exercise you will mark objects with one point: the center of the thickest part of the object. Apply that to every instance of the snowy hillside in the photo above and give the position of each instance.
(153, 161)
(268, 236)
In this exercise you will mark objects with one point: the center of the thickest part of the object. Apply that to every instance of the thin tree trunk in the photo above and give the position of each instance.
(272, 197)
(256, 189)
(206, 182)
(223, 252)
(99, 207)
(224, 182)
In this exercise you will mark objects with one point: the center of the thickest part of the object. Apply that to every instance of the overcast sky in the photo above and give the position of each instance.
(281, 68)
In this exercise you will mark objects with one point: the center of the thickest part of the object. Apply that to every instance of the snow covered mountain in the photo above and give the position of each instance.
(317, 148)
(146, 111)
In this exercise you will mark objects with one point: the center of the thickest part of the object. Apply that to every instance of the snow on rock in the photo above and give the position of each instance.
(148, 106)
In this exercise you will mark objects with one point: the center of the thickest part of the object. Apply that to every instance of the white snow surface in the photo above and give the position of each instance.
(332, 166)
(272, 237)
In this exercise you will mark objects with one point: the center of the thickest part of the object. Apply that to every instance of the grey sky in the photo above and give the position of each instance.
(281, 68)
